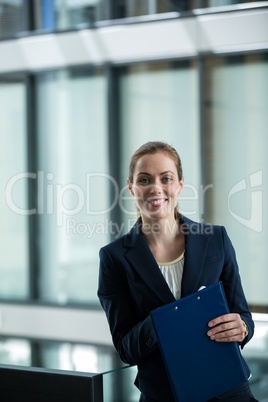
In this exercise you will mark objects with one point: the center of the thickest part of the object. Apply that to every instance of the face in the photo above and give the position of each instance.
(156, 186)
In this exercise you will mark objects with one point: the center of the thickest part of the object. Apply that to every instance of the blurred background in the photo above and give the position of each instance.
(84, 83)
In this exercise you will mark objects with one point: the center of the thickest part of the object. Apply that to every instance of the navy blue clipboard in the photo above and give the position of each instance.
(198, 368)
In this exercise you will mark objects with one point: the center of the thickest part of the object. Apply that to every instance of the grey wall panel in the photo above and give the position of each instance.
(180, 37)
(54, 323)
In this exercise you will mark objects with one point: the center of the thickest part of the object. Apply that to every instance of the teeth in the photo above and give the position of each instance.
(157, 202)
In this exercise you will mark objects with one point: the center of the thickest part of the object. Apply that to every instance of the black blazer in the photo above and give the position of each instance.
(131, 285)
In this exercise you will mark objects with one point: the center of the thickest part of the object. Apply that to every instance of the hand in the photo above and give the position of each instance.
(229, 328)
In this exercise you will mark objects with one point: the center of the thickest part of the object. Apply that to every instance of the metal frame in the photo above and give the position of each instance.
(202, 122)
(114, 136)
(32, 157)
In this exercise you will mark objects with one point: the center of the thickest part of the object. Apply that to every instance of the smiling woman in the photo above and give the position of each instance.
(155, 169)
(133, 282)
(156, 186)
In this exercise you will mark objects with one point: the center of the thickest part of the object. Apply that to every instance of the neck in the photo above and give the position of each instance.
(160, 232)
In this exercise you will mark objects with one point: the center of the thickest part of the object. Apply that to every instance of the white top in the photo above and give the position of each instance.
(172, 272)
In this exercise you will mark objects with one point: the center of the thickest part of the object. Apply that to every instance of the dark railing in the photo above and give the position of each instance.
(21, 384)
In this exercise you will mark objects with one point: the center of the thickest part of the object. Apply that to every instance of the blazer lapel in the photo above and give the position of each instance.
(196, 245)
(142, 260)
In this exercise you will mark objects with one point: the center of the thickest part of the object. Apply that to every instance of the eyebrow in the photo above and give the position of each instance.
(148, 174)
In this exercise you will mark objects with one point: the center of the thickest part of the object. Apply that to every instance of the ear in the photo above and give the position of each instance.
(130, 186)
(181, 185)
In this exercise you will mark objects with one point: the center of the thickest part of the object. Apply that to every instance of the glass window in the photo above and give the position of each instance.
(75, 357)
(118, 385)
(70, 14)
(133, 8)
(73, 183)
(63, 14)
(15, 351)
(13, 17)
(220, 3)
(159, 101)
(53, 15)
(237, 126)
(14, 259)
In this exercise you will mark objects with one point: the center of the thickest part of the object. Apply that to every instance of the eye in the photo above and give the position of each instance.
(167, 179)
(144, 180)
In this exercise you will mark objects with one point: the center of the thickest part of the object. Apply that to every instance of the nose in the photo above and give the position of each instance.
(155, 188)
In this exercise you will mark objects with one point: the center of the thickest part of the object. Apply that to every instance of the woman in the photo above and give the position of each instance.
(166, 256)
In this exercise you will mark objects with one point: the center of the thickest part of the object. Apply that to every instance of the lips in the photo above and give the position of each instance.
(157, 202)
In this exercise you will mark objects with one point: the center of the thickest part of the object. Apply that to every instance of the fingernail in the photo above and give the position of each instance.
(210, 324)
(212, 338)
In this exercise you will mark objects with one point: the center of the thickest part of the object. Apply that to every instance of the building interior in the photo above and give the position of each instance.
(84, 83)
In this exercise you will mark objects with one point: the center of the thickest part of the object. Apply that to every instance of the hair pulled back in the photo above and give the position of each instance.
(154, 147)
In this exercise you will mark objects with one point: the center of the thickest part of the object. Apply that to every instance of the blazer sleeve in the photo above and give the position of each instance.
(233, 286)
(133, 338)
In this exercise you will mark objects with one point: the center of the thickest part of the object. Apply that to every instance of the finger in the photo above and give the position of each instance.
(226, 330)
(233, 338)
(233, 334)
(220, 328)
(227, 334)
(224, 318)
(226, 327)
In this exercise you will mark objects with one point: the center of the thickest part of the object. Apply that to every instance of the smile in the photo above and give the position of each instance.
(157, 202)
